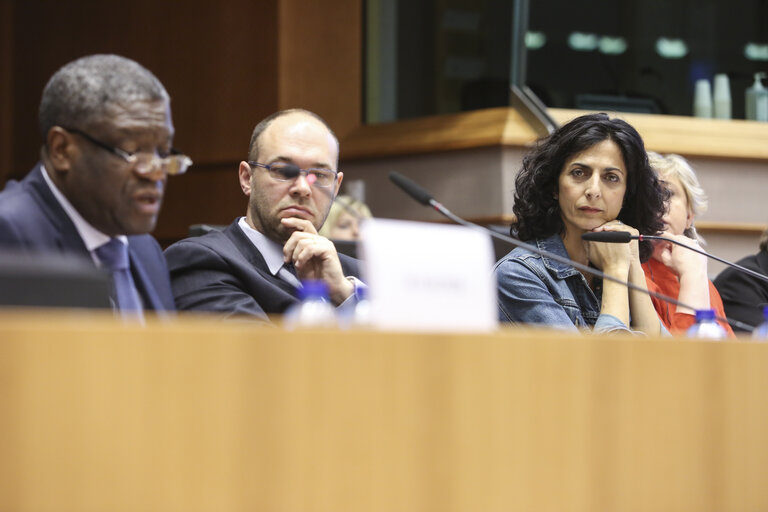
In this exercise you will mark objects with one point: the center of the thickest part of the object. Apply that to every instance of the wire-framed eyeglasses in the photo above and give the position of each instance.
(173, 164)
(284, 171)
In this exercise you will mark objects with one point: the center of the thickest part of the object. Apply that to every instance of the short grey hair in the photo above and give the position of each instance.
(253, 147)
(79, 93)
(675, 166)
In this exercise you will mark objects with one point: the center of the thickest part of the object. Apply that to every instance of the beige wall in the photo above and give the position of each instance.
(478, 183)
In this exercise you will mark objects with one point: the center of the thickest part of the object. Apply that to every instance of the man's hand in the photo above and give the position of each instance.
(315, 257)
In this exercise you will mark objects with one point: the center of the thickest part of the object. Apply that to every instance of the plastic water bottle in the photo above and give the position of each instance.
(358, 316)
(314, 308)
(722, 97)
(362, 315)
(706, 326)
(761, 331)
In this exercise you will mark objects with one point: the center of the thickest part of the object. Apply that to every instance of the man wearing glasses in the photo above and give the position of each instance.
(256, 265)
(106, 128)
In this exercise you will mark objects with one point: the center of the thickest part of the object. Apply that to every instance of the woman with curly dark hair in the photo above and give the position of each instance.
(591, 174)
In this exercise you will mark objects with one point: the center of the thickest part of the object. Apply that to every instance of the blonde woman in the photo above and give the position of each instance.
(673, 270)
(342, 222)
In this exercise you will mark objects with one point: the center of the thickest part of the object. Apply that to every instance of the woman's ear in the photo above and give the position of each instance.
(689, 220)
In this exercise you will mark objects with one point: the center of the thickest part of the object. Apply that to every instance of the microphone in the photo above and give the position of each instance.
(622, 237)
(425, 198)
(613, 237)
(412, 189)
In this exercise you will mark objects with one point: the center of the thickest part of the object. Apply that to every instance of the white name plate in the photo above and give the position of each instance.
(428, 277)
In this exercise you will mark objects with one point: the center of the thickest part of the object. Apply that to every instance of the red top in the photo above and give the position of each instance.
(661, 279)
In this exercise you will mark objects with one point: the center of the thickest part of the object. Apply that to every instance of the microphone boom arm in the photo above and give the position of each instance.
(450, 215)
(704, 253)
(518, 243)
(423, 197)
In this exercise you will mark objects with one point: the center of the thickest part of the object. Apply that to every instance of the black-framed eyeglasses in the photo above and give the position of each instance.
(173, 164)
(284, 171)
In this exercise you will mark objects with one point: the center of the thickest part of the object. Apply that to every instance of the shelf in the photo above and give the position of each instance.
(688, 136)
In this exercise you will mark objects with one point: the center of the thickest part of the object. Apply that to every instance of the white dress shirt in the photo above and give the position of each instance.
(92, 237)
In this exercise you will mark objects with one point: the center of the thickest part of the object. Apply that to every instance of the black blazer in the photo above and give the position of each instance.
(744, 296)
(223, 272)
(32, 220)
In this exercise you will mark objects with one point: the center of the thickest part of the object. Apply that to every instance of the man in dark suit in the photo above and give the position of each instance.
(106, 127)
(254, 267)
(743, 295)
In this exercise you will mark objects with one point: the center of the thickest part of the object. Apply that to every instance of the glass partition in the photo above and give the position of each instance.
(443, 56)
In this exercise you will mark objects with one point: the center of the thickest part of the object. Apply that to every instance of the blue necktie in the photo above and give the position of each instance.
(114, 256)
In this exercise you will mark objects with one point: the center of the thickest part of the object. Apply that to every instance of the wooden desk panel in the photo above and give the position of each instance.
(504, 126)
(196, 415)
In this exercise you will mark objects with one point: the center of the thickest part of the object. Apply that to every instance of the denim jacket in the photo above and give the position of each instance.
(534, 289)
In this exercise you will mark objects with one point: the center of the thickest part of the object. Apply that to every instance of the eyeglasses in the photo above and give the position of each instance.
(282, 171)
(145, 162)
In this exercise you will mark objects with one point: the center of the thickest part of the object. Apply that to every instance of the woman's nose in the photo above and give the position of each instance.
(593, 187)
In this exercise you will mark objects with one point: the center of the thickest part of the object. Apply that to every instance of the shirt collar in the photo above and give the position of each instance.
(92, 237)
(271, 251)
(554, 244)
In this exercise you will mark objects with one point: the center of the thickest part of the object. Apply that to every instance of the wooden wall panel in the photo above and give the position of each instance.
(216, 61)
(225, 64)
(321, 60)
(209, 195)
(6, 97)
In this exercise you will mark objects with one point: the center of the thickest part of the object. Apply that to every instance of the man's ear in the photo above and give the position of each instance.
(244, 173)
(60, 149)
(338, 184)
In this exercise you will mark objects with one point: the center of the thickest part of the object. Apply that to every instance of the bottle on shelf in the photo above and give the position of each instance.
(722, 97)
(706, 326)
(314, 308)
(757, 100)
(702, 99)
(761, 331)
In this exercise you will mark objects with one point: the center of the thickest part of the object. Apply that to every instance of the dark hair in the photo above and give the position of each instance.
(535, 206)
(253, 147)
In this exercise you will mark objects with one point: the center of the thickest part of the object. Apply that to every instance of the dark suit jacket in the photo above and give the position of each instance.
(223, 272)
(743, 295)
(32, 220)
